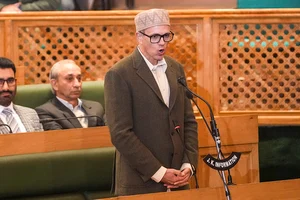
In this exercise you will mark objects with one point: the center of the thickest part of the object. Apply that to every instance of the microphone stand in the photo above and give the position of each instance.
(9, 129)
(68, 118)
(213, 130)
(190, 96)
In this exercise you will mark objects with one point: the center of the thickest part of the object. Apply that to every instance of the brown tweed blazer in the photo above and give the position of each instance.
(141, 125)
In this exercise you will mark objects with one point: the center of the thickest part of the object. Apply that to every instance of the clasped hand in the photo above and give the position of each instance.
(12, 8)
(175, 178)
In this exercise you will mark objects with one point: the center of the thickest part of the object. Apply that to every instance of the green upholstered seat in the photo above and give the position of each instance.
(72, 174)
(38, 94)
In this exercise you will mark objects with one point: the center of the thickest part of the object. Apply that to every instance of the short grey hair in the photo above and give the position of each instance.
(55, 68)
(54, 71)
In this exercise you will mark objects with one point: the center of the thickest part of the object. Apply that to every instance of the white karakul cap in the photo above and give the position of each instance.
(150, 18)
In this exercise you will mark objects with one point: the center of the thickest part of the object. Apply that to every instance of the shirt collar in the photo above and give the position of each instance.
(68, 105)
(161, 63)
(10, 106)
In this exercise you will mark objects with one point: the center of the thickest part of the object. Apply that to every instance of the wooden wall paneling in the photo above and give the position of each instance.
(14, 51)
(214, 92)
(2, 47)
(186, 47)
(9, 39)
(94, 47)
(255, 67)
(207, 42)
(204, 72)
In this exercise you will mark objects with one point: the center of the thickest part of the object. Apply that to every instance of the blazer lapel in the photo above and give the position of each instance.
(25, 119)
(67, 113)
(173, 85)
(144, 72)
(92, 121)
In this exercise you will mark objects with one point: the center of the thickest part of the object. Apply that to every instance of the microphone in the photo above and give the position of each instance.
(190, 94)
(177, 129)
(9, 129)
(67, 118)
(213, 130)
(191, 97)
(219, 163)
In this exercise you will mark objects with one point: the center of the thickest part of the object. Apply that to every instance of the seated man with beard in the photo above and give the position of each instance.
(14, 118)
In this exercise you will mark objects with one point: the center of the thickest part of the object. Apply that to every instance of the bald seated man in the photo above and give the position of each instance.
(66, 110)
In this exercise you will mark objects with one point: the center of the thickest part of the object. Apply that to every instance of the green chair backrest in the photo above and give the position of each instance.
(37, 94)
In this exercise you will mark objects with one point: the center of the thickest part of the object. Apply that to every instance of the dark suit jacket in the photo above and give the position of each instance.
(142, 126)
(54, 109)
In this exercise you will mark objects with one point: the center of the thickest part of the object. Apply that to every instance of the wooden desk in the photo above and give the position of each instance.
(288, 189)
(58, 140)
(238, 134)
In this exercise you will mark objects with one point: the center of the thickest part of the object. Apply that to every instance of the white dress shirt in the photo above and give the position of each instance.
(77, 110)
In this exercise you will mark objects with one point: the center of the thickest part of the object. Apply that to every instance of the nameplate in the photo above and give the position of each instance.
(222, 164)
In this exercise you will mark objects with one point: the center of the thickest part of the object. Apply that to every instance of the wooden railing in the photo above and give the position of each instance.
(240, 61)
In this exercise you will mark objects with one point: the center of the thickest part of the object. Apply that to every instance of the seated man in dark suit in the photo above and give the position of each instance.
(67, 110)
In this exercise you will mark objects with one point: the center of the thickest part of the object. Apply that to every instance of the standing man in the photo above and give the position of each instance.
(18, 118)
(66, 110)
(144, 104)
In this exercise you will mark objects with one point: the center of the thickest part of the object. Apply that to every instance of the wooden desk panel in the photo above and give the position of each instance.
(283, 190)
(57, 140)
(238, 134)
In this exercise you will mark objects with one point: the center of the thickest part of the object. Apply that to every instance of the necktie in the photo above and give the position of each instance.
(83, 120)
(10, 120)
(163, 84)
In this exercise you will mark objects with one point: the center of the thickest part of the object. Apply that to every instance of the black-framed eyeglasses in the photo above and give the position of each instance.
(155, 38)
(10, 81)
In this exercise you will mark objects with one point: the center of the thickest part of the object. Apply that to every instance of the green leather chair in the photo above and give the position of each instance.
(61, 175)
(37, 94)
